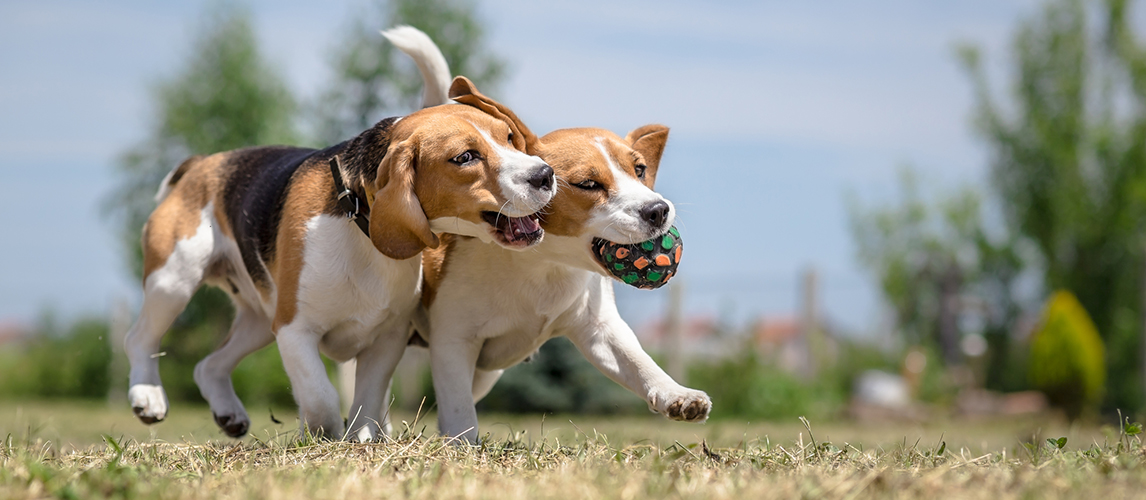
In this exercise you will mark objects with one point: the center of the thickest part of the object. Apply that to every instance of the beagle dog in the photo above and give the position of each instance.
(320, 250)
(490, 307)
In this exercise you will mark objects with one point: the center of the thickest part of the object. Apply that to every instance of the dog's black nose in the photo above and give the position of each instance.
(655, 213)
(542, 178)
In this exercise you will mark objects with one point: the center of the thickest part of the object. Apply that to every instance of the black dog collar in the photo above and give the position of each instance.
(349, 201)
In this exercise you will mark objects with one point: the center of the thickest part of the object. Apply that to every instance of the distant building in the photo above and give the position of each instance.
(12, 332)
(703, 337)
(781, 340)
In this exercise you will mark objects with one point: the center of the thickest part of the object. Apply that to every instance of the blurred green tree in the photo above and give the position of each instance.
(1069, 166)
(937, 263)
(373, 80)
(226, 96)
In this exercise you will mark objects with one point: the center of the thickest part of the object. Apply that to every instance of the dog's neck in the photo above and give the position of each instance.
(540, 277)
(554, 258)
(363, 154)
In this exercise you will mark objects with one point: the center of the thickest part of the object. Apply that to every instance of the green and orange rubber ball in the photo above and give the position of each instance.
(648, 264)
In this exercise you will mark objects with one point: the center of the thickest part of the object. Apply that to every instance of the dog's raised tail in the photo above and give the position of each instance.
(173, 177)
(435, 70)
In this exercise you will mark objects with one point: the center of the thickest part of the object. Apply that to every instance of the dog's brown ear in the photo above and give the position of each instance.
(398, 225)
(464, 91)
(649, 141)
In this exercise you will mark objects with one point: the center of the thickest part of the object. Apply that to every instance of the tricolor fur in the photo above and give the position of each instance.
(489, 308)
(263, 224)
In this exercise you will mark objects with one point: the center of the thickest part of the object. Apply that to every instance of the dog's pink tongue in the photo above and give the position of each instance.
(520, 226)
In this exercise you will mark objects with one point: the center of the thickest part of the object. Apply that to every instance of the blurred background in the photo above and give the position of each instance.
(892, 211)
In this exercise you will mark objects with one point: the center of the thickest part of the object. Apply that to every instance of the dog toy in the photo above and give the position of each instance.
(648, 264)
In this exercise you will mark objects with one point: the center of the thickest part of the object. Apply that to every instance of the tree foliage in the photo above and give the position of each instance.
(373, 80)
(1069, 164)
(226, 96)
(937, 263)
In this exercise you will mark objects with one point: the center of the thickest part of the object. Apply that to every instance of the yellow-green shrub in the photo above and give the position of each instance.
(1067, 360)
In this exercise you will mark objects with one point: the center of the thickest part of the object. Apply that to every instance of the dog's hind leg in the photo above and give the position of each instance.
(166, 291)
(146, 395)
(250, 332)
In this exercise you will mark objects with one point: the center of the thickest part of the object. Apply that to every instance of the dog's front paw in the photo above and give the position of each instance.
(365, 432)
(685, 405)
(149, 402)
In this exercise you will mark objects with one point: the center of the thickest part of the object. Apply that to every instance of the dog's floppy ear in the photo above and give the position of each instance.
(649, 141)
(398, 225)
(464, 91)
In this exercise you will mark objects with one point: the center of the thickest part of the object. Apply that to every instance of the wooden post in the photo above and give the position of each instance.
(674, 333)
(809, 322)
(950, 283)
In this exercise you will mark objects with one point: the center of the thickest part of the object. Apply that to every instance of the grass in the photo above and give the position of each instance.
(56, 450)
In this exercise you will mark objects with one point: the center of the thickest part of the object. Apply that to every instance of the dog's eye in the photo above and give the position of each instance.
(589, 184)
(510, 138)
(640, 170)
(465, 158)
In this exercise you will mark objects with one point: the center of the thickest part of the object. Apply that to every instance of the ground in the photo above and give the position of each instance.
(71, 450)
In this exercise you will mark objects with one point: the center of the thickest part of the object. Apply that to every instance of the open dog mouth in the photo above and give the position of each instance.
(519, 232)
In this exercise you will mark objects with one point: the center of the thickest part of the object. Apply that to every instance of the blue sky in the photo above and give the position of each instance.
(777, 110)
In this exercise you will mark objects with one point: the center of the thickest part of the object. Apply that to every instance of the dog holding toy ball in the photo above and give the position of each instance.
(648, 264)
(489, 308)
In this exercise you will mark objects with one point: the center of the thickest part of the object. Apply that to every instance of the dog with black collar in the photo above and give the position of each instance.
(486, 307)
(320, 250)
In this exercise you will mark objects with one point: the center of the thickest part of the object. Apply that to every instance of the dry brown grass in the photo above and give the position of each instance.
(626, 458)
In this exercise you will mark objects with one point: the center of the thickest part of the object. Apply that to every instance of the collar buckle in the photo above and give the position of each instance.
(344, 196)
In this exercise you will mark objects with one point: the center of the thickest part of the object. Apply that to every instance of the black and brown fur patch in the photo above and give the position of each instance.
(255, 193)
(264, 195)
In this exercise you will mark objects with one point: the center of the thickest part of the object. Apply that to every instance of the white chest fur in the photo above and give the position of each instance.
(350, 290)
(510, 302)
